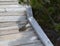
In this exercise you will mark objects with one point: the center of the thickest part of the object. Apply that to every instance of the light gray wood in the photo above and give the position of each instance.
(8, 32)
(19, 38)
(11, 27)
(13, 31)
(33, 44)
(8, 2)
(27, 38)
(22, 35)
(9, 24)
(22, 13)
(15, 9)
(12, 6)
(5, 43)
(12, 9)
(12, 18)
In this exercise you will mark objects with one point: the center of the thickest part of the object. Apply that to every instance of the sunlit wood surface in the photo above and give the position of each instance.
(15, 30)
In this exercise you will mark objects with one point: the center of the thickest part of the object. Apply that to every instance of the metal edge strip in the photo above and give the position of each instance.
(45, 40)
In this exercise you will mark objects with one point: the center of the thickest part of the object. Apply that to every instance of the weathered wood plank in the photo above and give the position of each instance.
(11, 27)
(33, 44)
(22, 13)
(9, 24)
(12, 31)
(6, 43)
(20, 27)
(19, 38)
(15, 9)
(12, 9)
(8, 28)
(7, 32)
(12, 18)
(12, 6)
(27, 38)
(8, 2)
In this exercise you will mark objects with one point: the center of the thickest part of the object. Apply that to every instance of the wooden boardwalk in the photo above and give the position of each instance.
(15, 30)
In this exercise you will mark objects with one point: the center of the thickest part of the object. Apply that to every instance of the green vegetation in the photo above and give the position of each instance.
(47, 14)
